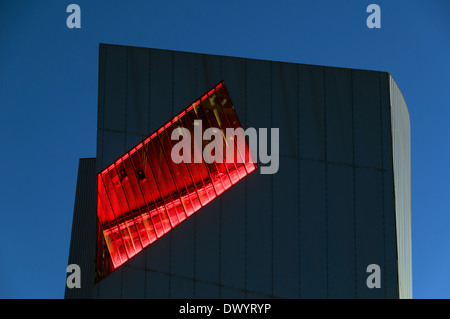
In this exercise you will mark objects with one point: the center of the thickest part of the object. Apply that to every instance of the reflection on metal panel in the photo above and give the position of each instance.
(144, 194)
(402, 183)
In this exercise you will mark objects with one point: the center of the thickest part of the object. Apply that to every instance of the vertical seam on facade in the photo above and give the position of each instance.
(220, 248)
(220, 212)
(246, 183)
(382, 187)
(149, 88)
(393, 101)
(148, 130)
(104, 103)
(195, 215)
(298, 186)
(354, 186)
(173, 82)
(91, 234)
(326, 173)
(94, 234)
(125, 144)
(82, 232)
(271, 176)
(121, 283)
(170, 241)
(126, 101)
(76, 231)
(74, 234)
(91, 216)
(394, 206)
(170, 265)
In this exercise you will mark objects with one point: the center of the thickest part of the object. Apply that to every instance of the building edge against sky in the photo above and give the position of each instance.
(401, 137)
(344, 168)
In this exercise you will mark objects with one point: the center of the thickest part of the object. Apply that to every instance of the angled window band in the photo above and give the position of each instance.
(144, 193)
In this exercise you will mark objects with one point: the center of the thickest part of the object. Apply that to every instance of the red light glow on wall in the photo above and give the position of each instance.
(144, 194)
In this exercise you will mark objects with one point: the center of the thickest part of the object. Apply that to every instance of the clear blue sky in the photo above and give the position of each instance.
(48, 104)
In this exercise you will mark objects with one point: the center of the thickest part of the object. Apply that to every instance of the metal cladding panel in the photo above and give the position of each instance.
(182, 244)
(209, 71)
(390, 234)
(206, 291)
(367, 118)
(207, 243)
(115, 86)
(369, 229)
(233, 219)
(185, 81)
(311, 112)
(341, 232)
(207, 224)
(133, 285)
(232, 249)
(160, 88)
(182, 250)
(386, 126)
(308, 231)
(234, 72)
(82, 241)
(259, 218)
(285, 107)
(111, 286)
(285, 223)
(391, 265)
(402, 179)
(313, 236)
(286, 229)
(158, 268)
(157, 279)
(312, 182)
(339, 115)
(133, 140)
(113, 146)
(137, 94)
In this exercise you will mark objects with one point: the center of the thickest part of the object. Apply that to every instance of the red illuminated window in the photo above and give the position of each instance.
(144, 194)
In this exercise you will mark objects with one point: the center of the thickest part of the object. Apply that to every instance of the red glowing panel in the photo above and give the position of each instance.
(144, 194)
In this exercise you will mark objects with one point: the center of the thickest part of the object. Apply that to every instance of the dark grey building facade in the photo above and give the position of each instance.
(339, 202)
